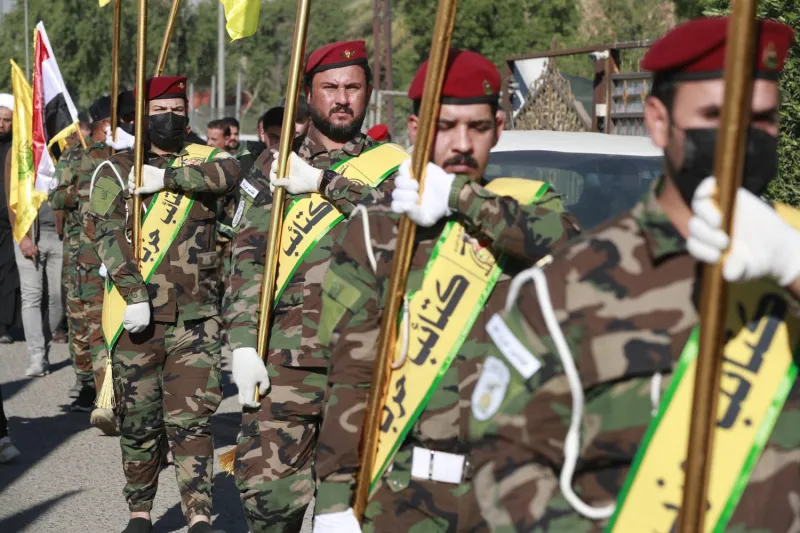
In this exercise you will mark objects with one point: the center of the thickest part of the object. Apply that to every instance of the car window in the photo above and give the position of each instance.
(594, 187)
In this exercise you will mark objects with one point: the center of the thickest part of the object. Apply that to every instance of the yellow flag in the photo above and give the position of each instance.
(23, 199)
(104, 3)
(241, 17)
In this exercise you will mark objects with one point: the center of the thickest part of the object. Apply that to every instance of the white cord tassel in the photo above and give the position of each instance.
(406, 335)
(367, 236)
(655, 393)
(572, 445)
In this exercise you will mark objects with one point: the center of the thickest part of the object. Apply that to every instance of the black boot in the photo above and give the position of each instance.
(138, 525)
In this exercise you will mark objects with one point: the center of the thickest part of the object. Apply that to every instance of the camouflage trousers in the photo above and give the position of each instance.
(90, 294)
(403, 503)
(168, 377)
(274, 466)
(77, 322)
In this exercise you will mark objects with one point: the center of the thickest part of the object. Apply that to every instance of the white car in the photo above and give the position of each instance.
(598, 175)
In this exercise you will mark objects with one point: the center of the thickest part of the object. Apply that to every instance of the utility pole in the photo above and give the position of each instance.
(376, 56)
(387, 64)
(220, 60)
(27, 45)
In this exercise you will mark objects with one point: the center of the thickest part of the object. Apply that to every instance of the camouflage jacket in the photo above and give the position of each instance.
(626, 299)
(65, 196)
(96, 153)
(352, 311)
(293, 340)
(184, 286)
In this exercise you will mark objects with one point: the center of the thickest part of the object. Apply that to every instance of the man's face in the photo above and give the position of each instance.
(301, 127)
(167, 105)
(273, 136)
(464, 136)
(233, 140)
(6, 116)
(698, 104)
(216, 138)
(338, 101)
(260, 132)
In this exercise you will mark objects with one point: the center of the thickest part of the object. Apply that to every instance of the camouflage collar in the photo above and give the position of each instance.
(97, 145)
(663, 239)
(312, 149)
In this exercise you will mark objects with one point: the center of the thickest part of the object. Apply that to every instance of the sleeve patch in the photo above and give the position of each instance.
(490, 391)
(250, 189)
(514, 351)
(105, 193)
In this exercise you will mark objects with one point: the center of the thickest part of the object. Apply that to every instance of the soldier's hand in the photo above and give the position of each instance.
(28, 248)
(136, 317)
(435, 195)
(125, 140)
(763, 244)
(249, 372)
(152, 180)
(300, 178)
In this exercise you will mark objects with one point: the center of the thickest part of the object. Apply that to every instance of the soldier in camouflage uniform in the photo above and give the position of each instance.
(354, 293)
(63, 198)
(276, 487)
(625, 299)
(167, 361)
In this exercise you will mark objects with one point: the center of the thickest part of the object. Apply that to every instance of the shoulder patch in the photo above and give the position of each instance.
(514, 351)
(237, 217)
(490, 391)
(105, 193)
(250, 189)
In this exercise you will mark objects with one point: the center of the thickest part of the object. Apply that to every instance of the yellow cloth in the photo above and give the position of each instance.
(23, 199)
(241, 17)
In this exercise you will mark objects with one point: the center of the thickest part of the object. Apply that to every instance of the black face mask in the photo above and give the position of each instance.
(127, 127)
(760, 167)
(167, 131)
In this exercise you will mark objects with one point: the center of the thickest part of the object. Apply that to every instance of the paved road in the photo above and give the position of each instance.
(69, 478)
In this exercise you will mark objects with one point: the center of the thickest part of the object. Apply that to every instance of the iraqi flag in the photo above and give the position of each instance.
(54, 115)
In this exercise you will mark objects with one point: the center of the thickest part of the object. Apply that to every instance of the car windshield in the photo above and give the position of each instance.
(594, 187)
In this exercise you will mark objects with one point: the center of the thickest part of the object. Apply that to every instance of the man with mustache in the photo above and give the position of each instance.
(581, 415)
(167, 359)
(465, 250)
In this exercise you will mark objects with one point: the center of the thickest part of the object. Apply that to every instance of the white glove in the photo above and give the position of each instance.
(301, 177)
(136, 317)
(152, 180)
(249, 372)
(342, 522)
(763, 244)
(103, 270)
(124, 141)
(435, 195)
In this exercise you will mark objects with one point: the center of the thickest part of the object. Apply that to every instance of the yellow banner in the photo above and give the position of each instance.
(458, 280)
(104, 3)
(758, 371)
(241, 17)
(162, 222)
(308, 219)
(23, 199)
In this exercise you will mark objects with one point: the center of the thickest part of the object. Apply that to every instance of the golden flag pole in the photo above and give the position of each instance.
(284, 150)
(115, 70)
(429, 111)
(138, 148)
(728, 168)
(226, 460)
(162, 55)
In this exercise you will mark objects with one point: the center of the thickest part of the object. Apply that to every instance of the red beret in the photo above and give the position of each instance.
(337, 55)
(379, 132)
(469, 78)
(695, 50)
(165, 87)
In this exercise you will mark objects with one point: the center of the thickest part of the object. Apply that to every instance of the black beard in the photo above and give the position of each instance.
(339, 134)
(5, 137)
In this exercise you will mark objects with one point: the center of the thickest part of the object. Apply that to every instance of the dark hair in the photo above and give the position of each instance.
(273, 117)
(308, 78)
(416, 104)
(230, 121)
(220, 124)
(303, 112)
(663, 88)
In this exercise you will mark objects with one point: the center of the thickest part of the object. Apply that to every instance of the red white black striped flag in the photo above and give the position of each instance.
(54, 115)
